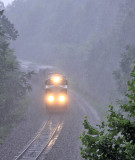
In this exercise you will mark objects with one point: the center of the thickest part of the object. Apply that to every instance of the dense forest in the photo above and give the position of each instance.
(14, 83)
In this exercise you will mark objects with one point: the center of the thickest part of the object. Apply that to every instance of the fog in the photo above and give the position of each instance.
(7, 2)
(85, 39)
(90, 45)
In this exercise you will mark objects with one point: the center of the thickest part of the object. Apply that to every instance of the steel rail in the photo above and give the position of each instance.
(53, 134)
(29, 145)
(36, 138)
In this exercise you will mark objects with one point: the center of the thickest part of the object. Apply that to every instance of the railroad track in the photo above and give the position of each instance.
(42, 140)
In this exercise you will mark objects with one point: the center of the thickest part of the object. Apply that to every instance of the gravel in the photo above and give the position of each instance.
(66, 147)
(22, 133)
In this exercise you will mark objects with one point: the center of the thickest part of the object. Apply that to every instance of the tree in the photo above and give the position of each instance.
(13, 82)
(114, 139)
(122, 75)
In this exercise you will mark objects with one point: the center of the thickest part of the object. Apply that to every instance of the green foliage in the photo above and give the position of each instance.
(114, 139)
(7, 28)
(13, 82)
(122, 75)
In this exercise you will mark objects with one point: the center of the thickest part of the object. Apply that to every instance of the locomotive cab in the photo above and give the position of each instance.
(56, 98)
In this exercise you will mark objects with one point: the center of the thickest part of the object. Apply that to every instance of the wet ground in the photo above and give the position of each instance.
(67, 144)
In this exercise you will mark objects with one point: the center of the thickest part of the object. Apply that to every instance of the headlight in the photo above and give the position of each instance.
(56, 79)
(62, 98)
(50, 98)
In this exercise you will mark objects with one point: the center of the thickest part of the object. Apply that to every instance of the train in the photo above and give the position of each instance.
(56, 92)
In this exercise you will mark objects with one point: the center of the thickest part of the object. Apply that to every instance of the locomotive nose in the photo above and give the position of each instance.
(56, 92)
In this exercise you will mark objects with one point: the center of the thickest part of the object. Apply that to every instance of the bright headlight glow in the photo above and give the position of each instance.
(56, 79)
(62, 98)
(50, 98)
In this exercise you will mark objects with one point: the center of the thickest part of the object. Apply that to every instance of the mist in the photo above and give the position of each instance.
(90, 42)
(80, 37)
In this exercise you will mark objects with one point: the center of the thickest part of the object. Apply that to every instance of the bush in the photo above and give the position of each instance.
(115, 138)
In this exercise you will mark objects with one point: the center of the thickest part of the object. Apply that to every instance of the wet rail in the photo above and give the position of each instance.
(40, 143)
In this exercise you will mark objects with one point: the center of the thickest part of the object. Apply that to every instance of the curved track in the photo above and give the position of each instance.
(41, 141)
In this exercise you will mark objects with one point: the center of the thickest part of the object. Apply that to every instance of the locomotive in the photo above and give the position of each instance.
(56, 97)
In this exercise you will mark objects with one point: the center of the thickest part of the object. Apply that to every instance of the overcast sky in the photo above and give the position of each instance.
(6, 2)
